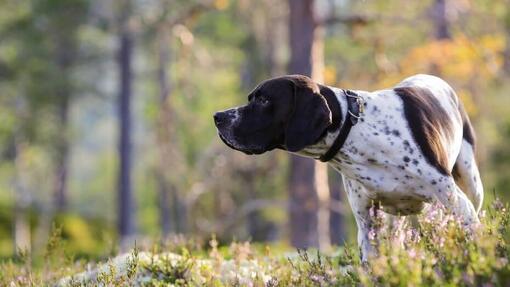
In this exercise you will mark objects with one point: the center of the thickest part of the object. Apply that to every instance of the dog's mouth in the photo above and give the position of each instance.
(223, 139)
(248, 151)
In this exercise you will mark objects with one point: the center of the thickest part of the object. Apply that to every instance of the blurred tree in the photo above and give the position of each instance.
(45, 87)
(265, 31)
(65, 19)
(165, 123)
(167, 26)
(440, 12)
(337, 217)
(506, 26)
(22, 198)
(321, 169)
(126, 206)
(164, 127)
(310, 209)
(184, 175)
(302, 191)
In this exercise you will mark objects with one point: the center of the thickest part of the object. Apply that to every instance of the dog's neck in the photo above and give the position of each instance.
(322, 146)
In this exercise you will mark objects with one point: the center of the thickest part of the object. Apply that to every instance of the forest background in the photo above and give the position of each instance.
(106, 107)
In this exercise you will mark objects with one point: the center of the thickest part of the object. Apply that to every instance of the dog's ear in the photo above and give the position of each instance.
(310, 115)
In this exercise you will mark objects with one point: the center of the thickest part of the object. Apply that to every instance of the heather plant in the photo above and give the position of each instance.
(433, 249)
(440, 252)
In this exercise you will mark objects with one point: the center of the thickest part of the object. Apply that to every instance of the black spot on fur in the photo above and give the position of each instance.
(387, 130)
(407, 159)
(395, 133)
(371, 160)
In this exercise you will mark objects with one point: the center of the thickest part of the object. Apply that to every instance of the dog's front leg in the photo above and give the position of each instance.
(361, 204)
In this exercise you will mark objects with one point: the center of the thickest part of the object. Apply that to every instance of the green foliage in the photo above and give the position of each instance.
(438, 252)
(215, 57)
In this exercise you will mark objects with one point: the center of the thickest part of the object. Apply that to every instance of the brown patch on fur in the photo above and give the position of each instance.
(429, 123)
(304, 82)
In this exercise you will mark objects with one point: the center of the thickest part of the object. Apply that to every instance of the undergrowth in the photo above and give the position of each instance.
(432, 251)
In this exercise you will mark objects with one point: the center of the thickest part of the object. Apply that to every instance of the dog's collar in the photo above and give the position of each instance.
(355, 107)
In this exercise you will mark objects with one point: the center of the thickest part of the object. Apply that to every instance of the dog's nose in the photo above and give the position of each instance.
(219, 118)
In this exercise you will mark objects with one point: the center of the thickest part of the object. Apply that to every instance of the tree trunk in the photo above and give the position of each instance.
(64, 58)
(62, 161)
(163, 203)
(253, 217)
(441, 20)
(126, 206)
(21, 226)
(321, 169)
(163, 134)
(180, 212)
(506, 63)
(337, 225)
(303, 203)
(302, 193)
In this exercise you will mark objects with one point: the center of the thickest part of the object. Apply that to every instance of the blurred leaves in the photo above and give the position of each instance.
(218, 51)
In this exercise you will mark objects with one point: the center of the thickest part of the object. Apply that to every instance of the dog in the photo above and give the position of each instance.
(397, 149)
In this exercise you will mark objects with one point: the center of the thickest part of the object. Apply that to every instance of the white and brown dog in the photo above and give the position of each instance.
(398, 148)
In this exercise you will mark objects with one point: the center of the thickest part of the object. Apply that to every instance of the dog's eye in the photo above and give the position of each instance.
(262, 100)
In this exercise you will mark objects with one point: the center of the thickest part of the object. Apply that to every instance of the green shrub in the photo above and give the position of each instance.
(438, 252)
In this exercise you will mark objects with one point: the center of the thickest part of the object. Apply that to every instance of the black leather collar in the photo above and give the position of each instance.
(355, 107)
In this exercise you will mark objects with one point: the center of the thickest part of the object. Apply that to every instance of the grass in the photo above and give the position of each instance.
(437, 253)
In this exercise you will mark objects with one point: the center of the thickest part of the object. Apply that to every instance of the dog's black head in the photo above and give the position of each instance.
(286, 112)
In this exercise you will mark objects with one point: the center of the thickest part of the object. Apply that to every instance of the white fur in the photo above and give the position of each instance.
(381, 162)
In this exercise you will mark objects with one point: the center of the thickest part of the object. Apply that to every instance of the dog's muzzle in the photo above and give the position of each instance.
(224, 118)
(224, 121)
